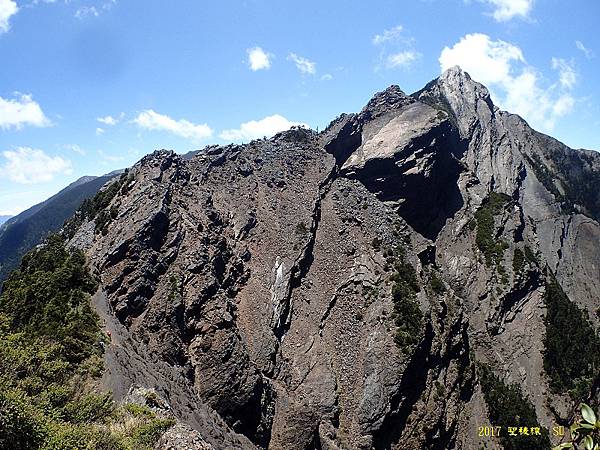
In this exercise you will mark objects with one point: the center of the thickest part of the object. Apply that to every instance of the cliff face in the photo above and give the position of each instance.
(259, 288)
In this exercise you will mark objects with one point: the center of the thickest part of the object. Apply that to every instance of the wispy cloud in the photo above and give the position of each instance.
(108, 120)
(401, 59)
(566, 71)
(304, 65)
(589, 54)
(88, 11)
(396, 48)
(75, 148)
(388, 35)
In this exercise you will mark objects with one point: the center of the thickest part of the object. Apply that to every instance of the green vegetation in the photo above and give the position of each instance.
(546, 177)
(585, 433)
(492, 249)
(50, 353)
(578, 181)
(34, 225)
(436, 284)
(370, 294)
(96, 207)
(530, 256)
(508, 407)
(440, 391)
(301, 229)
(571, 357)
(518, 261)
(407, 314)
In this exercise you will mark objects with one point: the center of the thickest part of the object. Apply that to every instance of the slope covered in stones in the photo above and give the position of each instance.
(376, 285)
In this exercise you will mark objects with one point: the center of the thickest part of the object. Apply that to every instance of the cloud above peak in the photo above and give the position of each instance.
(256, 129)
(151, 120)
(514, 84)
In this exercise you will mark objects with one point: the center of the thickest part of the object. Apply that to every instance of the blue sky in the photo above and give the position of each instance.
(88, 86)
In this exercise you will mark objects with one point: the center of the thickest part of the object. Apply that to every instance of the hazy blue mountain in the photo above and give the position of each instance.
(23, 231)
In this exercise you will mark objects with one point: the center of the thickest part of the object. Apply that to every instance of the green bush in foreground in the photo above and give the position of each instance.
(585, 433)
(49, 348)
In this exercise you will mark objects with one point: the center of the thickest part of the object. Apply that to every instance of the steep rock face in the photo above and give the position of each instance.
(409, 157)
(256, 287)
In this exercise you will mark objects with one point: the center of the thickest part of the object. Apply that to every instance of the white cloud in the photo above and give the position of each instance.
(151, 120)
(487, 61)
(514, 85)
(568, 76)
(258, 128)
(401, 59)
(589, 54)
(99, 131)
(21, 111)
(303, 65)
(29, 166)
(327, 77)
(258, 59)
(8, 8)
(108, 120)
(388, 35)
(505, 10)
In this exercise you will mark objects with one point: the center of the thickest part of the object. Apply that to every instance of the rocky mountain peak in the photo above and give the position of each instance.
(339, 289)
(392, 98)
(459, 83)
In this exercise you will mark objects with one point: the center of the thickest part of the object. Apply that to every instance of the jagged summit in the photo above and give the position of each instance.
(391, 98)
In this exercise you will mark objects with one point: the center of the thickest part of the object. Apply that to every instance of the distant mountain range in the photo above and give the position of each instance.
(20, 233)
